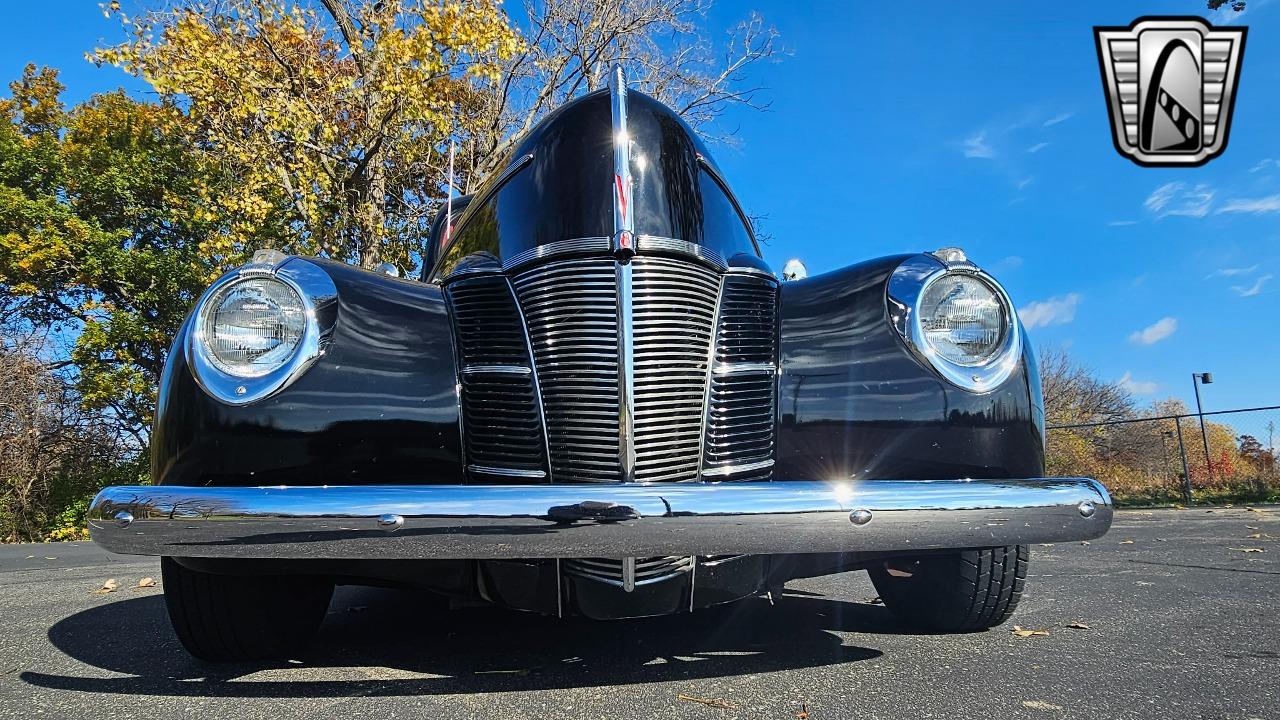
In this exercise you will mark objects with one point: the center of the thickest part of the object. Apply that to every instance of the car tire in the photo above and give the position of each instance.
(956, 592)
(229, 618)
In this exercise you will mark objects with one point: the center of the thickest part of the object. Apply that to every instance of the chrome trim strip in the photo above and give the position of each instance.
(706, 387)
(626, 375)
(506, 472)
(903, 292)
(623, 207)
(683, 247)
(727, 470)
(603, 520)
(748, 270)
(744, 368)
(319, 298)
(466, 272)
(623, 248)
(573, 246)
(628, 574)
(537, 385)
(496, 370)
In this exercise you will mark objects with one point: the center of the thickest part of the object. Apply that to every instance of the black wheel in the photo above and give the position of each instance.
(954, 592)
(225, 618)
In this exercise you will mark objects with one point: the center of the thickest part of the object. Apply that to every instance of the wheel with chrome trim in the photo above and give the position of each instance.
(230, 618)
(954, 592)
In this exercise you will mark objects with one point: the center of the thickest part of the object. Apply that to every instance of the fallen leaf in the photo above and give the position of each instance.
(1254, 536)
(1027, 632)
(146, 582)
(1046, 544)
(715, 703)
(1250, 527)
(1084, 542)
(1249, 550)
(1179, 507)
(1126, 542)
(1077, 625)
(877, 600)
(107, 587)
(1041, 705)
(1144, 583)
(803, 712)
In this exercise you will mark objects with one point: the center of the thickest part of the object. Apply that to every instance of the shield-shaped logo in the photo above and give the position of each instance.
(1171, 86)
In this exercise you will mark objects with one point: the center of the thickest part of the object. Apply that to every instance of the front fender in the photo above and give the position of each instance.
(854, 402)
(379, 406)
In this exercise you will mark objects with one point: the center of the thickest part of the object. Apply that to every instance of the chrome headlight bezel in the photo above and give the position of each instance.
(906, 289)
(318, 294)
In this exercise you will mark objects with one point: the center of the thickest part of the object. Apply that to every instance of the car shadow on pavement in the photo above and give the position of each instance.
(378, 642)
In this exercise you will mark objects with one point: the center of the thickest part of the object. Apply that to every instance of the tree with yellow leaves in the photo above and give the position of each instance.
(344, 108)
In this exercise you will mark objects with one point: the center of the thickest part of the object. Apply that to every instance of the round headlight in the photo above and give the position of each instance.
(963, 319)
(253, 326)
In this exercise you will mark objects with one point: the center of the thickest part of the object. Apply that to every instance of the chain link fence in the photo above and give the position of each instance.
(1225, 456)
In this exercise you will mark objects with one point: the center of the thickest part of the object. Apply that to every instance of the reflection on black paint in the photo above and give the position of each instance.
(566, 190)
(378, 407)
(854, 402)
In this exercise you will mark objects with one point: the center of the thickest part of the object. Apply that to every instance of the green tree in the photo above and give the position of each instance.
(106, 232)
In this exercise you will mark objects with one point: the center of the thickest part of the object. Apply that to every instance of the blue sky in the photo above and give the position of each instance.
(981, 125)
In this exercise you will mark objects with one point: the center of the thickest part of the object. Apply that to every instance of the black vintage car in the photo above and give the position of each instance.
(597, 400)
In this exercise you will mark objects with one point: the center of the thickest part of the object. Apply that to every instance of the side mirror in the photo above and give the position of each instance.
(794, 270)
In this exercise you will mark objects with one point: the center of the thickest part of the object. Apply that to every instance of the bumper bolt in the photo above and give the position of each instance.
(861, 516)
(390, 522)
(1087, 508)
(123, 519)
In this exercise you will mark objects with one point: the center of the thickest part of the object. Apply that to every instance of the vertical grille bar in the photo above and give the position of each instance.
(501, 411)
(739, 440)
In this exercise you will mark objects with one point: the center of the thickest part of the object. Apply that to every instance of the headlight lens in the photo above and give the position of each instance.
(964, 319)
(253, 326)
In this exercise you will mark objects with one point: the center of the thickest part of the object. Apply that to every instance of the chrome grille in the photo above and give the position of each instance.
(674, 306)
(500, 415)
(571, 310)
(647, 570)
(739, 439)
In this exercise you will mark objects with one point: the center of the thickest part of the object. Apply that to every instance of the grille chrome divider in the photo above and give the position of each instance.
(706, 391)
(626, 374)
(506, 472)
(496, 370)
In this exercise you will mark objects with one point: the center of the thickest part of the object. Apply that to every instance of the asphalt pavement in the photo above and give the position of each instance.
(1182, 621)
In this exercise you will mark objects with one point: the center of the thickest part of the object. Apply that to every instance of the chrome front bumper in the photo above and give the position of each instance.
(574, 521)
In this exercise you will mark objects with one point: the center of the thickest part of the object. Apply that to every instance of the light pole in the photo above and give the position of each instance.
(1198, 379)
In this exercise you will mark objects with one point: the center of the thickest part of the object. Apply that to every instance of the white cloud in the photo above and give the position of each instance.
(1122, 223)
(1012, 262)
(1137, 387)
(1155, 332)
(1037, 147)
(1023, 183)
(1257, 206)
(1054, 311)
(1254, 289)
(1233, 271)
(1060, 117)
(976, 146)
(1176, 199)
(1263, 164)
